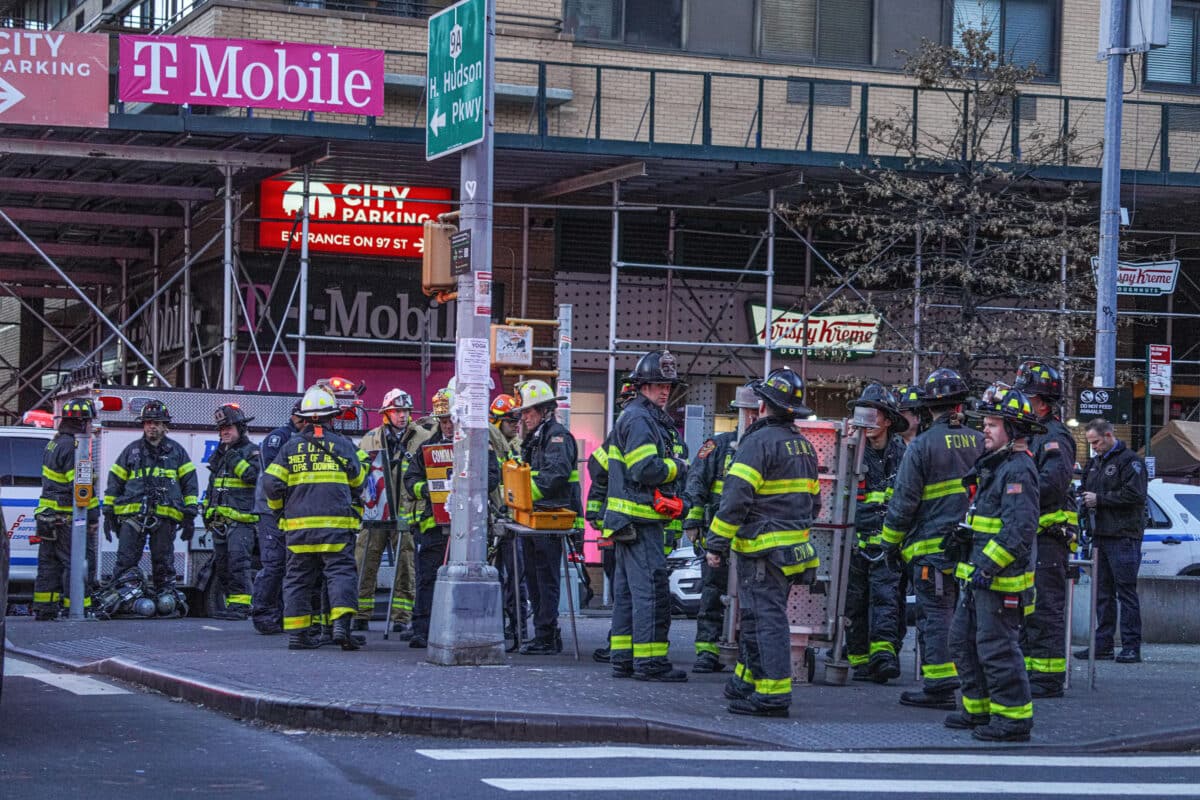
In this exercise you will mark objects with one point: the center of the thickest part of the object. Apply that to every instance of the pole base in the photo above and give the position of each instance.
(466, 626)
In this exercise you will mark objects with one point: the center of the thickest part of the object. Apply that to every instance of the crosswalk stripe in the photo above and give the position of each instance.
(75, 684)
(869, 787)
(788, 756)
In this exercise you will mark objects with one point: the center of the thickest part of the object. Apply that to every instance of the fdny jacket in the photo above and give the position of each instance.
(876, 489)
(770, 499)
(1004, 521)
(271, 445)
(418, 433)
(645, 455)
(553, 457)
(597, 495)
(315, 481)
(58, 479)
(416, 482)
(1054, 455)
(706, 482)
(929, 498)
(1119, 480)
(163, 477)
(232, 475)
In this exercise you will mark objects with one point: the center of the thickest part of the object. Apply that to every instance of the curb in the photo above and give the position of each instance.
(247, 703)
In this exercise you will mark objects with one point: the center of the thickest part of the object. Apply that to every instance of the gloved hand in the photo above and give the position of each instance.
(981, 579)
(110, 524)
(188, 528)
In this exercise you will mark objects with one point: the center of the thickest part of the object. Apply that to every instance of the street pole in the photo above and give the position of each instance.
(1148, 410)
(84, 481)
(227, 326)
(1110, 203)
(465, 625)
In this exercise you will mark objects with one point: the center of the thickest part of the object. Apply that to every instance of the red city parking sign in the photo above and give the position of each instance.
(51, 78)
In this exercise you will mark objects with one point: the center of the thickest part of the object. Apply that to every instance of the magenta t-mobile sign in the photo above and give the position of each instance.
(246, 73)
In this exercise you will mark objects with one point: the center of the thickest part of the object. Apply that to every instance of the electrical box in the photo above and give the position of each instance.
(1148, 25)
(436, 275)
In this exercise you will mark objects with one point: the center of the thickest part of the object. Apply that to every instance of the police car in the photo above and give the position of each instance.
(1171, 544)
(684, 580)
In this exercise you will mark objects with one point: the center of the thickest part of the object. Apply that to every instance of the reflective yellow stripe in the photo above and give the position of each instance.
(593, 505)
(672, 469)
(789, 486)
(234, 515)
(366, 603)
(46, 504)
(891, 535)
(186, 469)
(1005, 583)
(923, 547)
(1046, 665)
(769, 540)
(718, 487)
(695, 513)
(1051, 518)
(275, 505)
(875, 497)
(641, 454)
(119, 471)
(620, 642)
(535, 492)
(428, 524)
(747, 473)
(231, 483)
(240, 468)
(357, 480)
(601, 456)
(45, 597)
(238, 599)
(976, 706)
(296, 623)
(58, 477)
(933, 491)
(989, 525)
(997, 553)
(632, 509)
(316, 548)
(340, 611)
(883, 647)
(707, 647)
(1013, 712)
(308, 523)
(615, 455)
(324, 476)
(722, 528)
(857, 659)
(278, 471)
(743, 672)
(938, 671)
(773, 686)
(649, 649)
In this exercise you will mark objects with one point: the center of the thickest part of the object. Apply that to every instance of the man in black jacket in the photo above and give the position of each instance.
(1114, 484)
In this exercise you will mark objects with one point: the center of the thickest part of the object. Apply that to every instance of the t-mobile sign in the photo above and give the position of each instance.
(245, 73)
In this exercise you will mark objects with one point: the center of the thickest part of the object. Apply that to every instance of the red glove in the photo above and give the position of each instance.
(671, 506)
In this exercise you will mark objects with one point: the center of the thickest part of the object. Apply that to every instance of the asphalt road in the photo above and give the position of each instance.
(66, 735)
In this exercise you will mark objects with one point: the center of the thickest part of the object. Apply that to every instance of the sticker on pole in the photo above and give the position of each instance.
(483, 294)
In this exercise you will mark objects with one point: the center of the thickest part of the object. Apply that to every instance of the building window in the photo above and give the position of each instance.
(826, 31)
(1023, 31)
(646, 23)
(1176, 63)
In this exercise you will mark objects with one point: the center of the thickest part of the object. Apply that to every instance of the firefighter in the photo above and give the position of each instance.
(928, 501)
(152, 490)
(645, 480)
(54, 515)
(1043, 636)
(396, 434)
(314, 483)
(266, 597)
(229, 509)
(873, 599)
(553, 458)
(997, 567)
(770, 499)
(505, 442)
(597, 499)
(705, 482)
(503, 433)
(910, 402)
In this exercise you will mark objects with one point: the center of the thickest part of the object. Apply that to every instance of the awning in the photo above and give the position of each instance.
(1176, 449)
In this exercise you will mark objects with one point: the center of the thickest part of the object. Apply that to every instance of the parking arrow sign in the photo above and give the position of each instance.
(438, 121)
(9, 95)
(455, 73)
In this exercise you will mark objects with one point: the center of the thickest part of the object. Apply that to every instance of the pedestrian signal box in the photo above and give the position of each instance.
(436, 275)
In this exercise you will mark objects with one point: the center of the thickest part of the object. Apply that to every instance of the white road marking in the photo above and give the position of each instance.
(75, 684)
(868, 787)
(796, 757)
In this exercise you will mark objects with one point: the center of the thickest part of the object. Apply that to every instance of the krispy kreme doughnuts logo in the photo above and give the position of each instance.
(848, 334)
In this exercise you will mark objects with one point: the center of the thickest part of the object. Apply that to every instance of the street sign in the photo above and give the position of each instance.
(455, 72)
(460, 253)
(1115, 405)
(52, 78)
(1160, 370)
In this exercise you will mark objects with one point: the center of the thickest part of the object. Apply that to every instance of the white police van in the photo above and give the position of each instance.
(1171, 543)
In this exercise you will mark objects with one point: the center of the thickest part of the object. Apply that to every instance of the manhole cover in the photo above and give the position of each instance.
(96, 649)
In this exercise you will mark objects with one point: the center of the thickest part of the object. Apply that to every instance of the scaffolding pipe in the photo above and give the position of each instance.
(916, 357)
(186, 300)
(610, 397)
(524, 262)
(770, 309)
(155, 310)
(301, 347)
(666, 334)
(227, 282)
(87, 301)
(681, 268)
(122, 356)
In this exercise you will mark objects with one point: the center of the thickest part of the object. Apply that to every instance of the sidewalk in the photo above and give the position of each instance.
(388, 687)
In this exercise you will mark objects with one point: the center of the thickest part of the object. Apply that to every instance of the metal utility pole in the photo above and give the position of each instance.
(227, 323)
(465, 625)
(84, 491)
(1110, 201)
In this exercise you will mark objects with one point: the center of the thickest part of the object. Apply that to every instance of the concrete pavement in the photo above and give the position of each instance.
(388, 687)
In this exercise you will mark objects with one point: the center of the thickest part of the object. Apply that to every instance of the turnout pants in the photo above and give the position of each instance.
(986, 648)
(303, 576)
(266, 606)
(231, 562)
(131, 540)
(1120, 559)
(52, 585)
(937, 595)
(873, 607)
(641, 602)
(368, 554)
(1043, 637)
(714, 583)
(431, 554)
(763, 673)
(542, 559)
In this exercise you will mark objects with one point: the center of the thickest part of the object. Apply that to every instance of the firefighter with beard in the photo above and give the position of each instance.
(229, 509)
(928, 501)
(51, 587)
(996, 552)
(705, 483)
(873, 598)
(1043, 637)
(771, 497)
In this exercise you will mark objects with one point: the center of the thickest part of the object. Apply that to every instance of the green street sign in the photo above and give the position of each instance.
(455, 74)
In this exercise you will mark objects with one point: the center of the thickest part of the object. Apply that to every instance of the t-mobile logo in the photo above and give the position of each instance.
(162, 58)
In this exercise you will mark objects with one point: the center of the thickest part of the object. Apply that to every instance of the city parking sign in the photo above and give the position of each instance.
(455, 71)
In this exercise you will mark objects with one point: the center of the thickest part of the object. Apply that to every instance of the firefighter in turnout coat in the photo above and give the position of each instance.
(229, 509)
(928, 501)
(997, 555)
(873, 597)
(315, 481)
(770, 499)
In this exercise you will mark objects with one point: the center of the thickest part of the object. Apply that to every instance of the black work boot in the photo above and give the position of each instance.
(884, 667)
(707, 662)
(750, 709)
(666, 675)
(962, 721)
(1129, 655)
(622, 669)
(600, 655)
(302, 640)
(341, 634)
(996, 732)
(558, 640)
(1042, 691)
(1102, 653)
(538, 647)
(943, 701)
(362, 625)
(862, 672)
(732, 692)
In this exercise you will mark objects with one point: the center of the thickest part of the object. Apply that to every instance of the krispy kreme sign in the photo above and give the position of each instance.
(1146, 278)
(846, 334)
